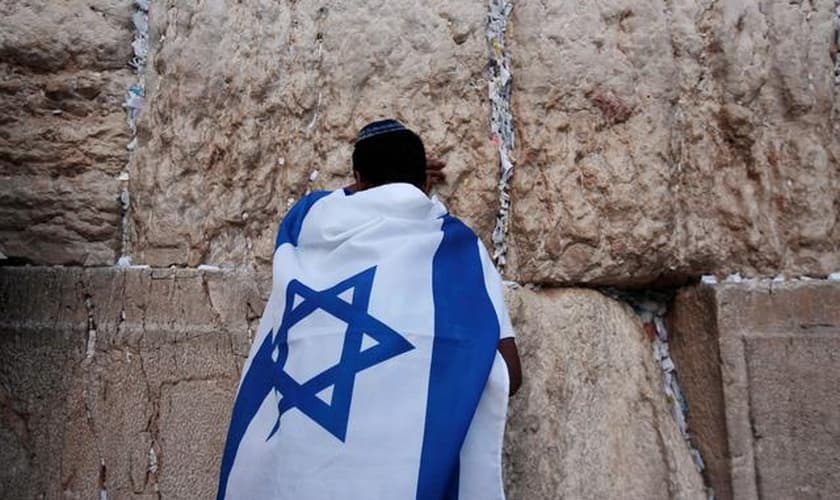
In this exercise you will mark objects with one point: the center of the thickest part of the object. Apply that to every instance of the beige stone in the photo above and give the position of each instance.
(246, 102)
(759, 366)
(663, 140)
(655, 142)
(63, 77)
(149, 394)
(139, 407)
(591, 420)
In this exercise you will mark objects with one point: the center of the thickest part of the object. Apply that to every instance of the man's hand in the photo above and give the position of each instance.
(507, 348)
(434, 171)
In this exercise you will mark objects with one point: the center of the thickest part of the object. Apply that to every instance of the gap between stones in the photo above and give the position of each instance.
(651, 308)
(89, 374)
(837, 42)
(501, 117)
(134, 100)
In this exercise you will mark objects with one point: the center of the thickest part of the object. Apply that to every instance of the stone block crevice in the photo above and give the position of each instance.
(501, 117)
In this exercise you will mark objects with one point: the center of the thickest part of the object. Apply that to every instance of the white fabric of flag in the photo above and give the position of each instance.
(374, 373)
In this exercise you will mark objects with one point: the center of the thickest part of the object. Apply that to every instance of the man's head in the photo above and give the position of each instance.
(387, 152)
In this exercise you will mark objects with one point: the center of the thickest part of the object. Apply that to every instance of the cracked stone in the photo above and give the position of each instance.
(663, 141)
(115, 406)
(218, 139)
(65, 72)
(591, 419)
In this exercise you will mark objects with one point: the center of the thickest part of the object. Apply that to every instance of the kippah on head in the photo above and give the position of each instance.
(379, 127)
(387, 152)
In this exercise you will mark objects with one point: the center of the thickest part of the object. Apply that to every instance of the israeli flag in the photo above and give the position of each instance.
(375, 372)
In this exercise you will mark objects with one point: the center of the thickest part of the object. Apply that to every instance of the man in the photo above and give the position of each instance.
(379, 368)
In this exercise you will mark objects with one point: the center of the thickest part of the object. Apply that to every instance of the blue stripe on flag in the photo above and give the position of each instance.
(257, 384)
(258, 381)
(293, 221)
(466, 336)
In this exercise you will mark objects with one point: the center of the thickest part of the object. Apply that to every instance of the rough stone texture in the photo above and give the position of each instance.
(591, 419)
(759, 365)
(655, 140)
(245, 101)
(149, 395)
(658, 140)
(157, 380)
(63, 133)
(694, 345)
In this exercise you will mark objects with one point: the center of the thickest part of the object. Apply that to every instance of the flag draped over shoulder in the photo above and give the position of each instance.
(374, 373)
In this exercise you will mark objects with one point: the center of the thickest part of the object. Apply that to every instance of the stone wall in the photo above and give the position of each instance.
(123, 380)
(760, 363)
(591, 420)
(671, 139)
(654, 142)
(120, 381)
(63, 133)
(249, 106)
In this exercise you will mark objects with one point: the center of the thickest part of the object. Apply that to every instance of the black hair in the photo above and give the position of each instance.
(397, 156)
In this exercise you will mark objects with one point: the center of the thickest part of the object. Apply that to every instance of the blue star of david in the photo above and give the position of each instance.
(266, 371)
(332, 416)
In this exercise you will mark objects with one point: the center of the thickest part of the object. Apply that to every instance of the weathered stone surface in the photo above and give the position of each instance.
(120, 380)
(33, 385)
(667, 139)
(591, 419)
(63, 76)
(759, 366)
(694, 346)
(141, 406)
(246, 101)
(655, 140)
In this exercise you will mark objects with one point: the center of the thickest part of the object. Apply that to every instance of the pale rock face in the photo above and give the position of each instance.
(654, 141)
(64, 68)
(661, 140)
(590, 420)
(246, 101)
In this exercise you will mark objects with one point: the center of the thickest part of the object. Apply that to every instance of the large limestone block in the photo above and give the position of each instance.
(64, 73)
(591, 420)
(659, 140)
(41, 333)
(119, 380)
(247, 101)
(759, 366)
